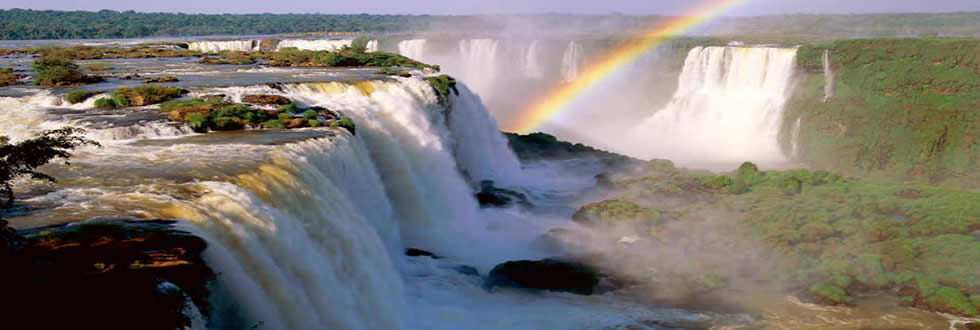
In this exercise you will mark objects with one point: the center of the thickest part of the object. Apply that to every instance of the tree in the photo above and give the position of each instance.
(23, 158)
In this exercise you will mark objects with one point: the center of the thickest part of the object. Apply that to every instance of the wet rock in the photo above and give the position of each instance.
(268, 45)
(106, 275)
(412, 252)
(546, 274)
(325, 113)
(296, 123)
(490, 196)
(161, 80)
(467, 270)
(131, 76)
(266, 99)
(275, 85)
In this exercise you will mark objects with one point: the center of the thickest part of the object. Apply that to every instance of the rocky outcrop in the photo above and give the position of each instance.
(616, 213)
(107, 275)
(265, 99)
(166, 79)
(546, 274)
(490, 196)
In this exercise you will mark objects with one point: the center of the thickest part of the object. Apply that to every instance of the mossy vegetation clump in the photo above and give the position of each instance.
(443, 84)
(139, 96)
(218, 114)
(393, 72)
(77, 96)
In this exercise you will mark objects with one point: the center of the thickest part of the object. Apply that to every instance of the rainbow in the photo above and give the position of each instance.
(557, 99)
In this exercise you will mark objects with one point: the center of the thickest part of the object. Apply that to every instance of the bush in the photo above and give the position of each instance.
(275, 123)
(347, 123)
(284, 117)
(314, 123)
(198, 121)
(105, 104)
(56, 72)
(359, 45)
(290, 108)
(309, 114)
(77, 96)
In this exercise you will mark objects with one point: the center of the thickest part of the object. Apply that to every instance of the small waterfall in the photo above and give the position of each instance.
(372, 46)
(318, 44)
(570, 61)
(413, 49)
(727, 108)
(219, 46)
(479, 64)
(531, 67)
(795, 138)
(480, 148)
(828, 77)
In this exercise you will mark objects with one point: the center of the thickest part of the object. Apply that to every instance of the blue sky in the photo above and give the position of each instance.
(637, 7)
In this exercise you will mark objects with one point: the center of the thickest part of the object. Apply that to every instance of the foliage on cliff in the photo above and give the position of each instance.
(24, 157)
(823, 235)
(900, 107)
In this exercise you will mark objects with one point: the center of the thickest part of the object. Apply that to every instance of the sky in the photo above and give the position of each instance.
(455, 7)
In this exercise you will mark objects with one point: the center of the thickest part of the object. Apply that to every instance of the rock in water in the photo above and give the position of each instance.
(546, 274)
(490, 196)
(266, 99)
(412, 252)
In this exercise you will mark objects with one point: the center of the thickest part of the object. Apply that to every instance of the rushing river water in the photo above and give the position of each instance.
(308, 226)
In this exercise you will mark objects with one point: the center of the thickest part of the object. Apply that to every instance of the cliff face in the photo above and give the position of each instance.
(111, 275)
(903, 108)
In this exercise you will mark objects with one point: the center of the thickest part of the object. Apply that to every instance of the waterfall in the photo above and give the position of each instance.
(318, 44)
(828, 77)
(220, 46)
(413, 49)
(479, 64)
(476, 132)
(727, 107)
(372, 46)
(570, 61)
(531, 67)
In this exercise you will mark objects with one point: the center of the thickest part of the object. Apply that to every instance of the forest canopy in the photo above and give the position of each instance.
(20, 24)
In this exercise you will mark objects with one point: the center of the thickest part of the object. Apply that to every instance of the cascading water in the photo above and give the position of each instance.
(372, 46)
(828, 77)
(220, 46)
(570, 61)
(319, 44)
(479, 63)
(530, 63)
(727, 108)
(414, 49)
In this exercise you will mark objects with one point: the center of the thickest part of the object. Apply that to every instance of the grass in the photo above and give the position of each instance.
(78, 96)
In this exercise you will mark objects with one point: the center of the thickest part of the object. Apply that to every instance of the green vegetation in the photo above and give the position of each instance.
(346, 123)
(56, 72)
(139, 96)
(346, 57)
(902, 108)
(48, 24)
(393, 72)
(443, 84)
(77, 96)
(23, 158)
(204, 114)
(834, 236)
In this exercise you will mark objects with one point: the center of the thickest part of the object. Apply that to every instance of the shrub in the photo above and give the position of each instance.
(290, 108)
(347, 123)
(309, 114)
(314, 123)
(284, 117)
(55, 72)
(359, 45)
(198, 121)
(105, 104)
(77, 96)
(443, 84)
(275, 123)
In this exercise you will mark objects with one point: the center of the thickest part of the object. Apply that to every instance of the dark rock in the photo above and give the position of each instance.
(275, 85)
(107, 275)
(131, 76)
(467, 270)
(411, 252)
(490, 196)
(266, 99)
(161, 80)
(604, 181)
(546, 274)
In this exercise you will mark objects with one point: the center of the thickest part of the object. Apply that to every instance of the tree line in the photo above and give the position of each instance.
(25, 24)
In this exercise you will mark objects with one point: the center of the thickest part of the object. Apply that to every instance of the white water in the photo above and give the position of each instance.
(727, 108)
(570, 61)
(372, 46)
(479, 62)
(219, 46)
(828, 77)
(414, 49)
(531, 63)
(318, 44)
